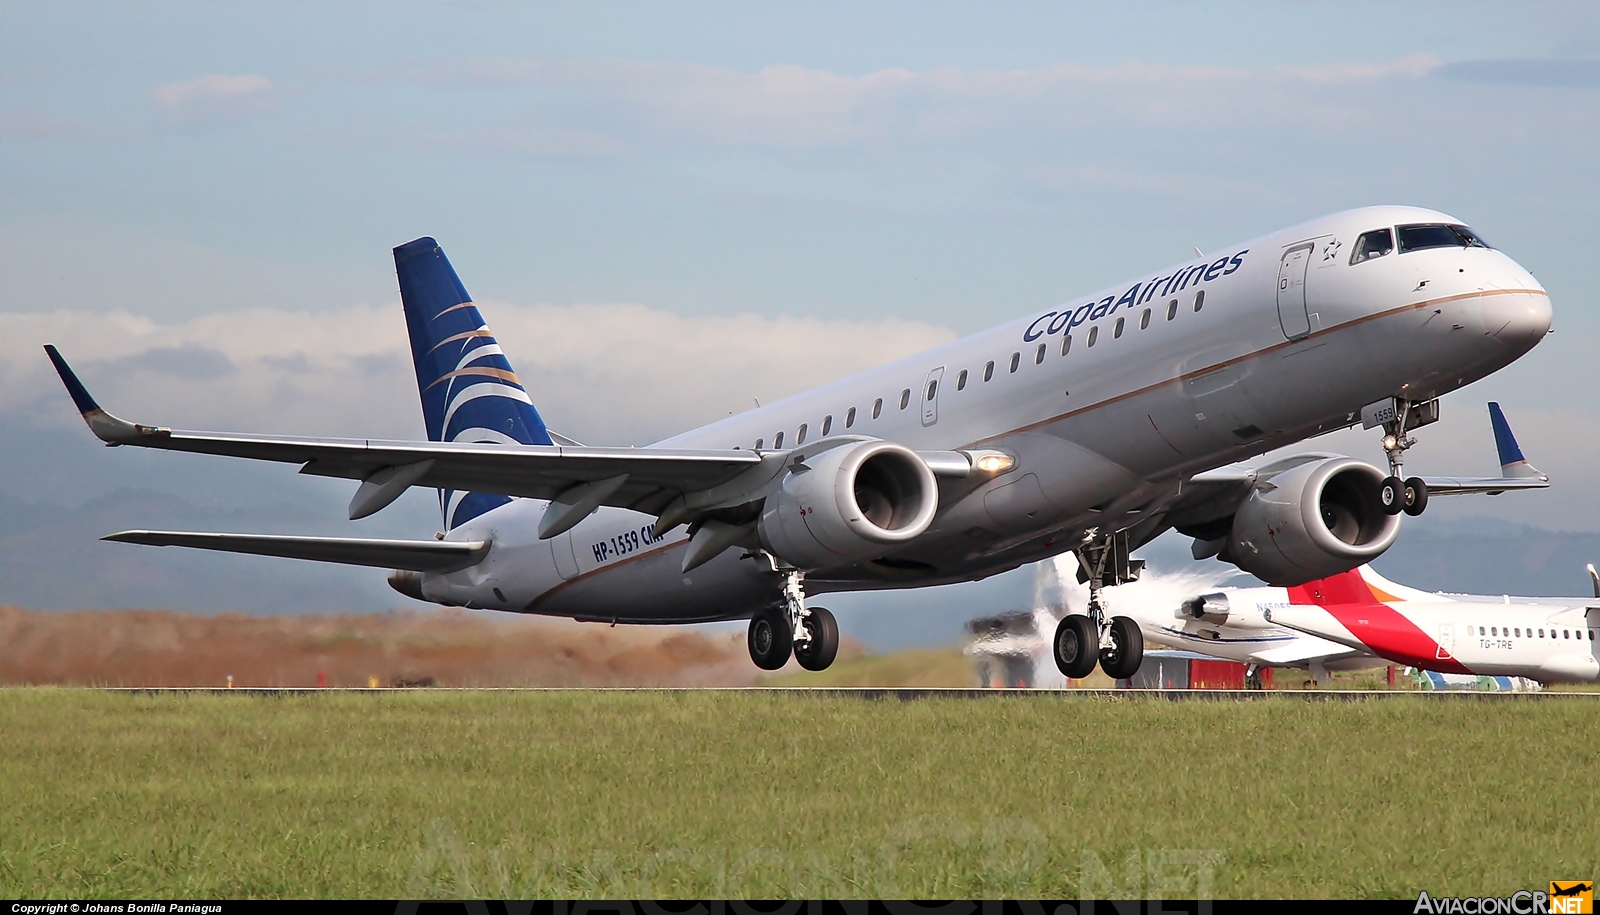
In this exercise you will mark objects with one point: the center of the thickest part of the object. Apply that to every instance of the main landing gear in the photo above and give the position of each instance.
(810, 634)
(1115, 642)
(1398, 416)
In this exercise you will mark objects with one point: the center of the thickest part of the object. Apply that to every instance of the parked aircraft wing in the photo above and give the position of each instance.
(1303, 651)
(414, 555)
(653, 476)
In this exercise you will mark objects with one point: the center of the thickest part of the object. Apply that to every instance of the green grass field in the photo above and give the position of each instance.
(582, 793)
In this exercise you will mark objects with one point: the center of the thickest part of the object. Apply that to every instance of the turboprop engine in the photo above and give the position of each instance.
(848, 504)
(1311, 521)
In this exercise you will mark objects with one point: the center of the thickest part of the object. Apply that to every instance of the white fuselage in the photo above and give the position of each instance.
(1551, 640)
(1244, 635)
(1109, 402)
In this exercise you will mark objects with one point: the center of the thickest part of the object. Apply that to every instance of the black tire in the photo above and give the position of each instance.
(823, 647)
(1076, 646)
(770, 641)
(1416, 496)
(1121, 659)
(1392, 495)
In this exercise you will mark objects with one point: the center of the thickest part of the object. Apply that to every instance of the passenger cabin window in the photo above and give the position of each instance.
(1094, 334)
(877, 407)
(1199, 299)
(961, 381)
(1016, 359)
(905, 398)
(800, 437)
(1437, 235)
(777, 440)
(827, 424)
(988, 370)
(1144, 319)
(1172, 309)
(1371, 245)
(1038, 357)
(933, 388)
(1066, 344)
(850, 418)
(1116, 332)
(759, 443)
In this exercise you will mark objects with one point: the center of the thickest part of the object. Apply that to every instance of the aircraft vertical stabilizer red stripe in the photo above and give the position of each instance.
(1388, 632)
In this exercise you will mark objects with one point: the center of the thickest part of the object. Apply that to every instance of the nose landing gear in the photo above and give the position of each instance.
(1398, 416)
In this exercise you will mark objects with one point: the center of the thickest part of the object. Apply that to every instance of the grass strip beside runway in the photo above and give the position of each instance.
(583, 793)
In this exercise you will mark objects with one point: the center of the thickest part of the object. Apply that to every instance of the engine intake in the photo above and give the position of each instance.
(1311, 521)
(848, 504)
(1210, 608)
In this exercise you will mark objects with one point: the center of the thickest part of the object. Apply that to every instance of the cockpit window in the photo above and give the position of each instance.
(1372, 244)
(1438, 235)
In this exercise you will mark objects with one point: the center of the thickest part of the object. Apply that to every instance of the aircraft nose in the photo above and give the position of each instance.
(1518, 319)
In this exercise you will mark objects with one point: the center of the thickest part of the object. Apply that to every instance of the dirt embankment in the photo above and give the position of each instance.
(158, 648)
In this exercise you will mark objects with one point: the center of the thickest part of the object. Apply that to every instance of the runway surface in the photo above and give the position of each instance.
(910, 694)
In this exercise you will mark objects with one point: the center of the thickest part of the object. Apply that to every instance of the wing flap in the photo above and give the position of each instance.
(412, 555)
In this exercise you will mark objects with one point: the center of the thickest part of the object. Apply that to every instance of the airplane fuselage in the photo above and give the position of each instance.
(1108, 403)
(1551, 640)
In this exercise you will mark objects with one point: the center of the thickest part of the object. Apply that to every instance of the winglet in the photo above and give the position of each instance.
(1512, 463)
(80, 394)
(107, 428)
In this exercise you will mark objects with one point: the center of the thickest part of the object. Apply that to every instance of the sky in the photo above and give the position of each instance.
(668, 211)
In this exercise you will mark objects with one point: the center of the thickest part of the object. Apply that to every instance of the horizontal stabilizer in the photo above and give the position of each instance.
(413, 555)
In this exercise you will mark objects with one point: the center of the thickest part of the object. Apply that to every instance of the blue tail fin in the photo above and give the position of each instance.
(469, 391)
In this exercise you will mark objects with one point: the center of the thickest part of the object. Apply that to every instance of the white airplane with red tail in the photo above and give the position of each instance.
(1548, 639)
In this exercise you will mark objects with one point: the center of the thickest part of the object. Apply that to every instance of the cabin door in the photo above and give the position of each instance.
(1292, 314)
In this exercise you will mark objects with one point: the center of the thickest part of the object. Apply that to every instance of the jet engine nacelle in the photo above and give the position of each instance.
(848, 504)
(1311, 521)
(1209, 608)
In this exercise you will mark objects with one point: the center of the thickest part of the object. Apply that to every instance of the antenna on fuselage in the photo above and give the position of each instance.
(1594, 579)
(1198, 252)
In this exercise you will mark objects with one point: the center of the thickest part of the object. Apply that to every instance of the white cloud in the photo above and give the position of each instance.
(601, 373)
(215, 98)
(789, 106)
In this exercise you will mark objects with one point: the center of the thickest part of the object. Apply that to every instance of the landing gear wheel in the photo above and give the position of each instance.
(1392, 495)
(819, 651)
(1120, 660)
(1075, 646)
(1416, 496)
(771, 641)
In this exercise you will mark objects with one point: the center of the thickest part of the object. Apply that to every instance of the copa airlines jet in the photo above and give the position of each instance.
(1548, 639)
(1089, 427)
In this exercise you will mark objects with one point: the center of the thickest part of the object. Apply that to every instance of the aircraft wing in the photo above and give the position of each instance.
(1515, 471)
(1492, 486)
(652, 477)
(1303, 650)
(415, 555)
